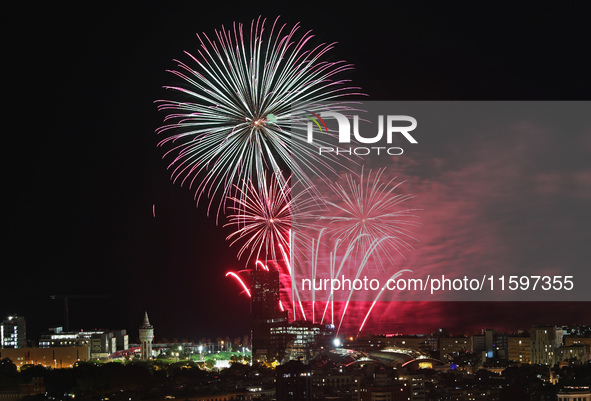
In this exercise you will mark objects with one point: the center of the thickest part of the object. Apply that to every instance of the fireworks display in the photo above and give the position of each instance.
(364, 229)
(262, 219)
(239, 94)
(229, 134)
(367, 209)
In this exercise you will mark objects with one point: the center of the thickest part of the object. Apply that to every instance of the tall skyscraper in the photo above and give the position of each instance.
(266, 314)
(544, 341)
(13, 332)
(146, 338)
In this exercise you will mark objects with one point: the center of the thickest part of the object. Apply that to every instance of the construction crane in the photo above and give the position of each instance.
(66, 299)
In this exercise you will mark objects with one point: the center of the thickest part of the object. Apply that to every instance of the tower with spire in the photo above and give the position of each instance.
(146, 338)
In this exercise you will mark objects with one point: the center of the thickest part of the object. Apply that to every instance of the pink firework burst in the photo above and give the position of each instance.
(262, 218)
(367, 209)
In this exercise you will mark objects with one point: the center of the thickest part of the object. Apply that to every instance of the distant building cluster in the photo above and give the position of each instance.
(101, 343)
(58, 348)
(545, 345)
(274, 339)
(311, 363)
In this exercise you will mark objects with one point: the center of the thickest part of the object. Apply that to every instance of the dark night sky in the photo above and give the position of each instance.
(83, 170)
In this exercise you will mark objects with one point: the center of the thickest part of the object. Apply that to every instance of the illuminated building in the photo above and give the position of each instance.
(491, 344)
(579, 352)
(13, 333)
(411, 342)
(417, 387)
(453, 346)
(301, 339)
(58, 338)
(386, 390)
(266, 315)
(571, 393)
(372, 342)
(333, 382)
(544, 341)
(575, 340)
(519, 348)
(273, 337)
(102, 343)
(146, 338)
(122, 339)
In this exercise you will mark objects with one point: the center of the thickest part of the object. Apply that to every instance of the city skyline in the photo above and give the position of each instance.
(14, 335)
(92, 209)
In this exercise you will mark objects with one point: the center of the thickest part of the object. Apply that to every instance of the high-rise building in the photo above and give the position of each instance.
(146, 338)
(13, 332)
(519, 348)
(265, 315)
(544, 342)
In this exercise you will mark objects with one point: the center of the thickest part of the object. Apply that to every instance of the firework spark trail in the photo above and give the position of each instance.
(364, 261)
(262, 265)
(240, 281)
(295, 295)
(315, 251)
(397, 274)
(219, 131)
(330, 301)
(332, 263)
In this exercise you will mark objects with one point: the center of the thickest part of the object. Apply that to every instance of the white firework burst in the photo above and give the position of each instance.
(239, 95)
